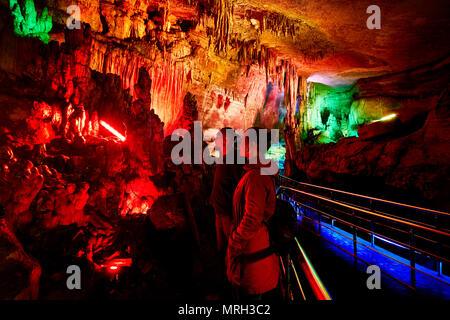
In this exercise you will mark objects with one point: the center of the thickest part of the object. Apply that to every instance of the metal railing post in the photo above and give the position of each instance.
(438, 262)
(372, 236)
(332, 210)
(438, 247)
(320, 227)
(412, 257)
(439, 267)
(355, 247)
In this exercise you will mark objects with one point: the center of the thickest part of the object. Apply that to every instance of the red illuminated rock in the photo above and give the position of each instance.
(168, 213)
(20, 272)
(20, 183)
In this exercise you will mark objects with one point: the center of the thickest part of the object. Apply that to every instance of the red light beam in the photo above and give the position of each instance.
(112, 130)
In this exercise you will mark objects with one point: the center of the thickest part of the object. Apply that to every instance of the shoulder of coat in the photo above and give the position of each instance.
(261, 177)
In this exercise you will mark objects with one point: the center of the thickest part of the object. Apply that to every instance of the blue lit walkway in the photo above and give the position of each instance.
(333, 262)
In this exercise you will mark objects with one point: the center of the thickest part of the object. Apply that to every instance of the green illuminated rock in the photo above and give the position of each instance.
(329, 113)
(277, 152)
(27, 23)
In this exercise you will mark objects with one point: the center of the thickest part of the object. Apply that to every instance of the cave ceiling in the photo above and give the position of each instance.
(220, 40)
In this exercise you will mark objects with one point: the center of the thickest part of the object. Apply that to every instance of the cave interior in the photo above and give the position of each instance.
(91, 93)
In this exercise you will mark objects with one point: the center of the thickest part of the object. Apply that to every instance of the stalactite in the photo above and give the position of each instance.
(167, 91)
(124, 63)
(295, 29)
(290, 85)
(222, 24)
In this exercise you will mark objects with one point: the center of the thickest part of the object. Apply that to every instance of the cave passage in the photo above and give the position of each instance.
(113, 117)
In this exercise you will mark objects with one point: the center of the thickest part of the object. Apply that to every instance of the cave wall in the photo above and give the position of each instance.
(405, 154)
(132, 56)
(144, 82)
(184, 47)
(51, 101)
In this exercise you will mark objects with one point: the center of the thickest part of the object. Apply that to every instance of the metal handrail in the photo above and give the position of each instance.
(315, 283)
(371, 232)
(372, 221)
(298, 280)
(416, 225)
(364, 261)
(317, 286)
(368, 197)
(354, 208)
(429, 275)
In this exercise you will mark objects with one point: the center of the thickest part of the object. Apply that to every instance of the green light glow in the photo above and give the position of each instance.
(27, 23)
(333, 113)
(277, 152)
(329, 113)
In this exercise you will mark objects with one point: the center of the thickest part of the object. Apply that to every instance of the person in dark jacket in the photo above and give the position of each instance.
(253, 203)
(226, 178)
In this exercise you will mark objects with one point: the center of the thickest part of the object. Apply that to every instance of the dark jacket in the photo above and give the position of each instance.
(226, 178)
(253, 202)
